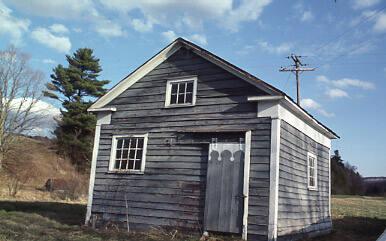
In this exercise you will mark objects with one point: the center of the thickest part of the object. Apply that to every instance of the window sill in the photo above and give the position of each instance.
(178, 106)
(126, 172)
(313, 188)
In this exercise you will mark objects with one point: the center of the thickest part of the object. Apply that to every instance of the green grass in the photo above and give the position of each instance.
(354, 219)
(357, 218)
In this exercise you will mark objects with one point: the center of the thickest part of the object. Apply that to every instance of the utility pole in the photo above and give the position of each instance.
(297, 68)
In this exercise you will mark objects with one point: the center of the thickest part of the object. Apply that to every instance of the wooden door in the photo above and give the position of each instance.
(224, 188)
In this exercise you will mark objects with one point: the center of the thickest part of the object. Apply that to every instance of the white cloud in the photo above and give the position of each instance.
(84, 10)
(58, 28)
(174, 13)
(45, 37)
(380, 23)
(311, 104)
(347, 82)
(141, 26)
(107, 28)
(248, 10)
(336, 93)
(282, 48)
(49, 61)
(307, 16)
(44, 113)
(63, 9)
(10, 25)
(365, 3)
(77, 30)
(198, 38)
(170, 35)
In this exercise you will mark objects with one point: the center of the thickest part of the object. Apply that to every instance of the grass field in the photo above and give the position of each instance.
(355, 219)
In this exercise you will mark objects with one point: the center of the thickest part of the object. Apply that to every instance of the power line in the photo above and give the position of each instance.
(349, 30)
(297, 68)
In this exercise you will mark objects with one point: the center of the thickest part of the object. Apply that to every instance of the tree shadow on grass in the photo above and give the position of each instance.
(65, 213)
(354, 229)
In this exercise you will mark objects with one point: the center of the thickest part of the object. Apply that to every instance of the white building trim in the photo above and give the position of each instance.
(166, 53)
(178, 80)
(114, 150)
(102, 118)
(274, 179)
(283, 108)
(247, 164)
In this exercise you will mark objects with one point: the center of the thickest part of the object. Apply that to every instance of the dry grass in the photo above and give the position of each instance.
(48, 165)
(355, 219)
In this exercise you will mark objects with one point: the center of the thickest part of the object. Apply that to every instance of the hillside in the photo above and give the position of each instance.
(41, 163)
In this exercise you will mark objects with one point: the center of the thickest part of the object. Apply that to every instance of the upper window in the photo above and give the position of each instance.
(128, 153)
(181, 92)
(312, 171)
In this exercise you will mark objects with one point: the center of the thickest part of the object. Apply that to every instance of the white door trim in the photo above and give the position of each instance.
(247, 164)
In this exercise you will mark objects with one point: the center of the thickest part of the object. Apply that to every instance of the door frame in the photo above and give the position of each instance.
(247, 161)
(247, 164)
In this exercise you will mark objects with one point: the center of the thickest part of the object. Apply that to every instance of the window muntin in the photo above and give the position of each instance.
(128, 153)
(181, 92)
(312, 176)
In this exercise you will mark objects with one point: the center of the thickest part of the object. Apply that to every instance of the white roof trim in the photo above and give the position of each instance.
(135, 76)
(101, 109)
(282, 107)
(162, 56)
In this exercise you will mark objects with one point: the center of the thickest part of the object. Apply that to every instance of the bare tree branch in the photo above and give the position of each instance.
(20, 90)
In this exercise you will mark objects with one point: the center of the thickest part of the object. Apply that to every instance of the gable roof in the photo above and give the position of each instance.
(168, 51)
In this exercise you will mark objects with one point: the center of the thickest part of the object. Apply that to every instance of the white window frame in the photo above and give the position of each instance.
(114, 149)
(168, 95)
(315, 187)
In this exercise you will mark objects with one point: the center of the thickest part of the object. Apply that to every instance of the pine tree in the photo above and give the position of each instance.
(75, 86)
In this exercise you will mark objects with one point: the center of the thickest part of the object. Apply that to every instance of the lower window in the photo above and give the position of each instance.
(128, 153)
(312, 171)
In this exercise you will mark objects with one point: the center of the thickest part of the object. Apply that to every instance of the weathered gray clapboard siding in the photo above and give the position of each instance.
(172, 190)
(301, 211)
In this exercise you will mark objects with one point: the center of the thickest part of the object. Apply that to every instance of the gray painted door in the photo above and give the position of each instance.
(224, 188)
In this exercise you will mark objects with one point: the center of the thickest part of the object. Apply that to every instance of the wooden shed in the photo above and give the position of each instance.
(190, 141)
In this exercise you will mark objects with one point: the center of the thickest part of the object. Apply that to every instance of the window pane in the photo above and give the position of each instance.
(189, 98)
(125, 153)
(118, 154)
(189, 87)
(133, 143)
(119, 143)
(137, 164)
(123, 164)
(117, 162)
(131, 164)
(126, 143)
(132, 153)
(181, 98)
(312, 183)
(174, 88)
(140, 142)
(173, 99)
(139, 154)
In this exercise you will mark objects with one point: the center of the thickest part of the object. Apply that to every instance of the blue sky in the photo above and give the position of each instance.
(345, 40)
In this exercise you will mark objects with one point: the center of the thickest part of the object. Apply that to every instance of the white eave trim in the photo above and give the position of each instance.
(288, 104)
(113, 109)
(136, 75)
